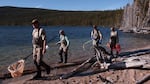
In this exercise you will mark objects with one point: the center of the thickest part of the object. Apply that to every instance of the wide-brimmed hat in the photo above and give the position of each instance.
(35, 21)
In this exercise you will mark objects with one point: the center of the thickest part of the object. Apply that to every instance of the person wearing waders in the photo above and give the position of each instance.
(114, 40)
(64, 45)
(39, 48)
(96, 37)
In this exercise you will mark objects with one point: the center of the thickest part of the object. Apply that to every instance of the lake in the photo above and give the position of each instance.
(16, 42)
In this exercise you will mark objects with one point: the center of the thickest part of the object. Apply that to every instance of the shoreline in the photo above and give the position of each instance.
(144, 30)
(80, 59)
(88, 78)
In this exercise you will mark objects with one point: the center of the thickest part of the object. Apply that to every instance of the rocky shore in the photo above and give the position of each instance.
(145, 30)
(136, 17)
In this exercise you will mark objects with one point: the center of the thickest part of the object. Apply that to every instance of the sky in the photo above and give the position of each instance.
(76, 5)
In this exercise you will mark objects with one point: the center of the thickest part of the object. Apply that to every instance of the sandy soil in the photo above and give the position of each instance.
(114, 77)
(125, 76)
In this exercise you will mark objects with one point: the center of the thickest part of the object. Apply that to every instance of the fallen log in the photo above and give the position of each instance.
(100, 55)
(78, 69)
(146, 66)
(135, 53)
(141, 53)
(144, 79)
(125, 65)
(131, 62)
(130, 58)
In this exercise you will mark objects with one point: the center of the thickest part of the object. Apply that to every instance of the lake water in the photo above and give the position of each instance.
(16, 43)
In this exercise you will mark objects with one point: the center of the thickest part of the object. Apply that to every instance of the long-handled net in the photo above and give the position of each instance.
(16, 69)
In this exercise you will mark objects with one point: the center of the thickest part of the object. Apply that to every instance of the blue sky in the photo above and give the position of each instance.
(68, 4)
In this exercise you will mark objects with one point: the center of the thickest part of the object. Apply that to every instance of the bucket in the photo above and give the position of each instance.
(117, 47)
(16, 69)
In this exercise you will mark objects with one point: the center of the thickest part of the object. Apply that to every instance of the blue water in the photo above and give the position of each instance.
(16, 42)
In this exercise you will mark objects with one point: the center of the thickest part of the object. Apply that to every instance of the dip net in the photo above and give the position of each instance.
(16, 69)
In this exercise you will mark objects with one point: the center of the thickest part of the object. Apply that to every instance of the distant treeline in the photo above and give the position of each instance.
(24, 16)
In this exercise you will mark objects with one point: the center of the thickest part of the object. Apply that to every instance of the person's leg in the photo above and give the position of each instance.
(111, 49)
(60, 54)
(117, 49)
(43, 64)
(94, 49)
(117, 53)
(95, 45)
(36, 59)
(38, 69)
(66, 56)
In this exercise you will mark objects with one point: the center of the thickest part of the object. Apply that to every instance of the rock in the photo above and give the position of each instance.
(136, 17)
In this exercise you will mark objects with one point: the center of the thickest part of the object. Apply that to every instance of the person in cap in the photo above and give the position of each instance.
(64, 45)
(114, 40)
(96, 37)
(39, 47)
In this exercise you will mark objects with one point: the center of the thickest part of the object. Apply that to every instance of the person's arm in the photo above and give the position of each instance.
(67, 41)
(100, 34)
(117, 40)
(110, 37)
(92, 35)
(59, 40)
(43, 33)
(32, 37)
(44, 46)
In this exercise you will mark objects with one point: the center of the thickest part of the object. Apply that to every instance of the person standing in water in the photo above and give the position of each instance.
(96, 37)
(114, 40)
(64, 45)
(39, 48)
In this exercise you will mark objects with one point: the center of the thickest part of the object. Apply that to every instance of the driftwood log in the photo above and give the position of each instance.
(79, 68)
(135, 53)
(100, 55)
(131, 62)
(144, 79)
(126, 63)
